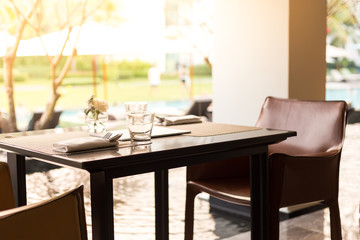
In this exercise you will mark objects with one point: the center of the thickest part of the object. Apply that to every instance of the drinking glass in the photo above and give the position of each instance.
(136, 106)
(140, 125)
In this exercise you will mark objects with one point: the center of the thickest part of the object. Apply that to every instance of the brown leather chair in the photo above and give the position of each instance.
(302, 169)
(6, 192)
(59, 218)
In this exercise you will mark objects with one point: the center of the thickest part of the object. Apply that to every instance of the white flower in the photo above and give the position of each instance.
(100, 105)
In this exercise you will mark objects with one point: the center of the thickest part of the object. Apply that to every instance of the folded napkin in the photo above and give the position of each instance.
(168, 121)
(85, 143)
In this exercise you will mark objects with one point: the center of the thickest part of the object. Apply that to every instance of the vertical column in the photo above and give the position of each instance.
(307, 49)
(102, 209)
(162, 205)
(17, 171)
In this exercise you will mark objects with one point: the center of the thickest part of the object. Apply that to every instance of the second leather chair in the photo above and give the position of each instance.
(302, 169)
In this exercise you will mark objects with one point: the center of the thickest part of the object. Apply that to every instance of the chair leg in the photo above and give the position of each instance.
(189, 212)
(335, 221)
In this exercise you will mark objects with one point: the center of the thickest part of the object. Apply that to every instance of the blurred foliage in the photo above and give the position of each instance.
(80, 81)
(342, 63)
(203, 69)
(342, 20)
(58, 14)
(116, 70)
(27, 68)
(18, 76)
(128, 69)
(110, 13)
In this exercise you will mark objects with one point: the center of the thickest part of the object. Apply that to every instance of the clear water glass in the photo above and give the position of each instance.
(140, 126)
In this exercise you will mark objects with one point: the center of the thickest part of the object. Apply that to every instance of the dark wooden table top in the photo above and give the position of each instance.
(38, 144)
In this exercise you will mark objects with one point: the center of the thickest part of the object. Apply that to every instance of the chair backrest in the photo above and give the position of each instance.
(6, 192)
(320, 125)
(199, 107)
(37, 115)
(336, 75)
(59, 218)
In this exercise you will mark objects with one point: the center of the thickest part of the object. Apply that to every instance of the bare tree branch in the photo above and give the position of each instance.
(57, 13)
(39, 16)
(184, 35)
(65, 69)
(67, 10)
(58, 57)
(94, 9)
(75, 10)
(8, 63)
(26, 18)
(21, 28)
(44, 47)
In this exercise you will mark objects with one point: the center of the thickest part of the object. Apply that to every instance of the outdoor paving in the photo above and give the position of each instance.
(134, 203)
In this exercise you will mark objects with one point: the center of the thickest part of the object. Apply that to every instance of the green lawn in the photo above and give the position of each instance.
(35, 94)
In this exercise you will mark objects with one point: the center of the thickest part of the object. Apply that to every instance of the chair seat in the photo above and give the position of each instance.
(235, 190)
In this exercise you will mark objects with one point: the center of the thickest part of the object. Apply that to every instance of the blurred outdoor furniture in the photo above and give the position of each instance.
(4, 123)
(199, 107)
(303, 169)
(206, 142)
(334, 76)
(37, 115)
(35, 164)
(348, 75)
(342, 75)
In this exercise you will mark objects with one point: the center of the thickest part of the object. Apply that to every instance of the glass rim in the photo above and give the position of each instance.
(140, 113)
(135, 102)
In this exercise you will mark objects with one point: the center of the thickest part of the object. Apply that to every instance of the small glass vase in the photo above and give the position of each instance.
(96, 122)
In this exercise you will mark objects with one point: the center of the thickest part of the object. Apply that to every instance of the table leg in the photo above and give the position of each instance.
(259, 197)
(102, 209)
(17, 171)
(162, 205)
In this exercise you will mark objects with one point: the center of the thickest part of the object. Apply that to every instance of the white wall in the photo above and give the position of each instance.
(250, 57)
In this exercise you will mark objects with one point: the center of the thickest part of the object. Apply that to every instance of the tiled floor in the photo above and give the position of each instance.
(134, 204)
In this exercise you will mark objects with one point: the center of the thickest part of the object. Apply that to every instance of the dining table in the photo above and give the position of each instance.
(193, 144)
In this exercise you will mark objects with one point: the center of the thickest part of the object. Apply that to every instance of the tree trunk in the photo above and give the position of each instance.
(48, 114)
(8, 65)
(207, 61)
(9, 86)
